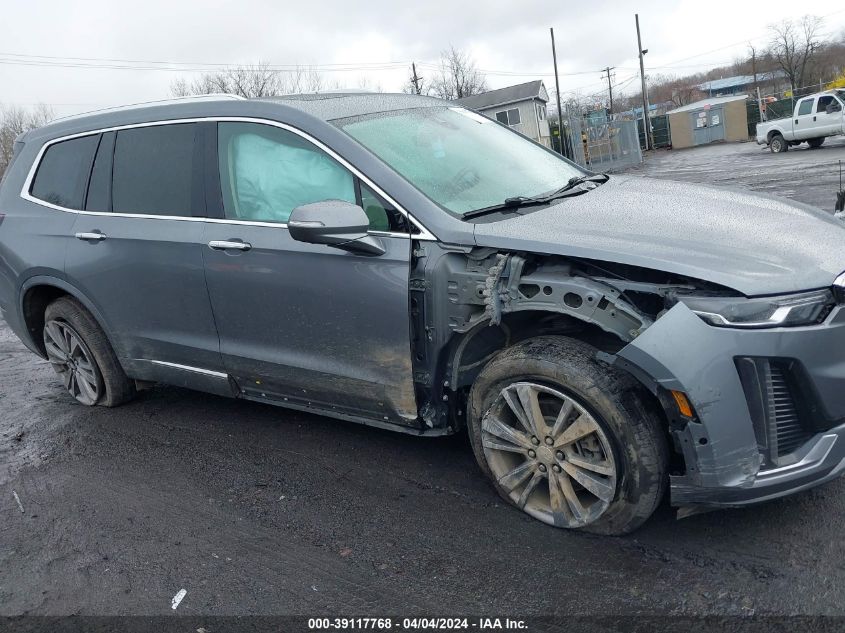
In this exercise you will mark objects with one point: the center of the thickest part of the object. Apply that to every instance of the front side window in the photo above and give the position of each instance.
(62, 175)
(823, 103)
(266, 172)
(827, 104)
(508, 117)
(153, 171)
(806, 107)
(459, 159)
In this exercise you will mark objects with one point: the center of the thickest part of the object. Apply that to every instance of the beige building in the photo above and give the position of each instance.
(708, 121)
(522, 107)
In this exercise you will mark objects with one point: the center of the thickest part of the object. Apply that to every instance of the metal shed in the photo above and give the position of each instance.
(708, 121)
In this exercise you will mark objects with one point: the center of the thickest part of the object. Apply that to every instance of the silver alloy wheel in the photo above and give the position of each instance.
(549, 454)
(73, 361)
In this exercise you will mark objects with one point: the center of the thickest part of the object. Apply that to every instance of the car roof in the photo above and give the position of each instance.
(327, 106)
(330, 106)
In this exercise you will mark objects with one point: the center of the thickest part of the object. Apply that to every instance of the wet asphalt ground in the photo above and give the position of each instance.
(256, 510)
(803, 174)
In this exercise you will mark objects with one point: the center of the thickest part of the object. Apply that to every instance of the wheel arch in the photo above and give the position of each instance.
(468, 352)
(37, 293)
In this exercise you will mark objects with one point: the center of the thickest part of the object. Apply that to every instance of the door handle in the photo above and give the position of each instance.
(222, 245)
(96, 237)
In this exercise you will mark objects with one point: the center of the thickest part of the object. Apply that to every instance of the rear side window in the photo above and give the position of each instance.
(62, 175)
(806, 107)
(99, 187)
(153, 170)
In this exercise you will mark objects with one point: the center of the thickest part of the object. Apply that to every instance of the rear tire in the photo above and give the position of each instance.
(81, 354)
(778, 144)
(610, 479)
(815, 143)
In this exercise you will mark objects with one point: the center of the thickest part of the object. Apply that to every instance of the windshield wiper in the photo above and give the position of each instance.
(599, 179)
(523, 201)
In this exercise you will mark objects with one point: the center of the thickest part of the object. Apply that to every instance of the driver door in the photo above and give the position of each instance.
(828, 116)
(306, 325)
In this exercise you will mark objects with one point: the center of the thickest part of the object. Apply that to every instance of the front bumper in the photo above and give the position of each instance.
(820, 460)
(727, 461)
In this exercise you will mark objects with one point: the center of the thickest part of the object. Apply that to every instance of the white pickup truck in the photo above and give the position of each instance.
(816, 116)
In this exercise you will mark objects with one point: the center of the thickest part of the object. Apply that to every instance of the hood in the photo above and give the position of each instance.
(757, 245)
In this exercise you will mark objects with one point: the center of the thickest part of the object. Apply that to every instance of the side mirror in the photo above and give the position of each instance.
(334, 223)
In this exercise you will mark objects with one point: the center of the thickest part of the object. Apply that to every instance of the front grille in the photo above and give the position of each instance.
(785, 430)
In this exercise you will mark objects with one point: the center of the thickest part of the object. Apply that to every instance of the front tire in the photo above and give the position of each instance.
(778, 144)
(567, 439)
(81, 355)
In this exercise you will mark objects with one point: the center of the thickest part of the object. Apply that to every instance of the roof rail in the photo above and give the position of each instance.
(129, 106)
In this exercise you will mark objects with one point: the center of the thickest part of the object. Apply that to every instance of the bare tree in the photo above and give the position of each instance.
(366, 84)
(14, 121)
(677, 91)
(457, 76)
(794, 45)
(251, 81)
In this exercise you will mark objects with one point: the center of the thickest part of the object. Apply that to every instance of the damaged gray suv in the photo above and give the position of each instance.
(404, 263)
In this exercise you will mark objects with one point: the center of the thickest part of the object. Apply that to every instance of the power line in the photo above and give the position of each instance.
(222, 65)
(247, 68)
(740, 43)
(114, 63)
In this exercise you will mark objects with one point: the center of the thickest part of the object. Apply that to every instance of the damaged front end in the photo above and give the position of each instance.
(754, 411)
(769, 409)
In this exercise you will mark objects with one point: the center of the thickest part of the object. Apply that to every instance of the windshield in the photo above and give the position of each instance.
(461, 160)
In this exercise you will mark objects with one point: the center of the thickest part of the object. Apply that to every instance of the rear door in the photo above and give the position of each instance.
(804, 124)
(306, 324)
(138, 253)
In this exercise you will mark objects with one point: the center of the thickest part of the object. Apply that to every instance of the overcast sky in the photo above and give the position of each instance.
(375, 40)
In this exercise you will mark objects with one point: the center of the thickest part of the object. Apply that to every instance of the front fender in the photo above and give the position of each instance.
(681, 352)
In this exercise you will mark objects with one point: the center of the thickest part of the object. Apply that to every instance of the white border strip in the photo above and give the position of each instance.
(196, 370)
(424, 233)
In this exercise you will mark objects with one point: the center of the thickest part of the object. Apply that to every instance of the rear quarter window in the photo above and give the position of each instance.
(805, 107)
(62, 174)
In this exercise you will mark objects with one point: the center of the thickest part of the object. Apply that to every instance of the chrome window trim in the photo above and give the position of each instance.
(196, 370)
(424, 233)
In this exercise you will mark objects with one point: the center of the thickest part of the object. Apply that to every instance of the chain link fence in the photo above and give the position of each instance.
(779, 109)
(601, 144)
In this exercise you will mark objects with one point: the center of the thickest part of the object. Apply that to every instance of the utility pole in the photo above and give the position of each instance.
(756, 85)
(649, 143)
(415, 79)
(557, 92)
(610, 87)
(753, 64)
